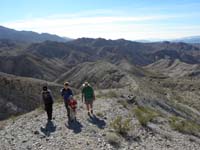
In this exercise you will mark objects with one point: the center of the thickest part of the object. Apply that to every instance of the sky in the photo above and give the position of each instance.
(110, 19)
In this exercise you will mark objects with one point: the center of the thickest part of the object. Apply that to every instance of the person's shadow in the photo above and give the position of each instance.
(76, 126)
(97, 121)
(49, 128)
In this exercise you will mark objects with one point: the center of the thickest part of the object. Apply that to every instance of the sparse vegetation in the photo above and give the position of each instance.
(2, 124)
(145, 114)
(111, 94)
(184, 126)
(99, 94)
(113, 139)
(13, 118)
(40, 109)
(121, 126)
(100, 114)
(123, 103)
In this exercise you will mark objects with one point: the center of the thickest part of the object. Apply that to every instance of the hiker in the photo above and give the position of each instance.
(72, 106)
(89, 96)
(48, 101)
(66, 92)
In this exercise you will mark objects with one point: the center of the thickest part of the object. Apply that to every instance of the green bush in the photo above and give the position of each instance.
(184, 126)
(145, 114)
(121, 126)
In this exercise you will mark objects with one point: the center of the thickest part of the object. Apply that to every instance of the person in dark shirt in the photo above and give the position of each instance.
(48, 102)
(66, 93)
(89, 97)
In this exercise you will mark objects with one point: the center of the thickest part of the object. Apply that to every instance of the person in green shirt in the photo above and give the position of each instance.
(89, 97)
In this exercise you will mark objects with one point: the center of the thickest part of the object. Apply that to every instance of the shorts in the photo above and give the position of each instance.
(89, 101)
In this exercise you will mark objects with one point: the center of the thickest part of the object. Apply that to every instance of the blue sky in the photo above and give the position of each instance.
(111, 19)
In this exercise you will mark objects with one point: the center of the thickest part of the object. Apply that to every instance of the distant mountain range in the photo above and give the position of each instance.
(50, 59)
(191, 39)
(28, 36)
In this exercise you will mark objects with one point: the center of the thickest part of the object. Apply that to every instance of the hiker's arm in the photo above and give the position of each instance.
(51, 95)
(82, 92)
(71, 93)
(42, 98)
(82, 97)
(93, 94)
(61, 92)
(42, 101)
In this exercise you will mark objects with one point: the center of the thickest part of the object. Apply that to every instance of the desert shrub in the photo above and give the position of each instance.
(184, 126)
(113, 139)
(100, 114)
(145, 114)
(111, 94)
(2, 125)
(123, 103)
(99, 94)
(121, 126)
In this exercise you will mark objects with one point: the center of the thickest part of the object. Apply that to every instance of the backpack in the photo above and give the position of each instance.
(73, 104)
(47, 97)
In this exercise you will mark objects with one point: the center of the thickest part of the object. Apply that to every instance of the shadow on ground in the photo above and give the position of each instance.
(49, 128)
(100, 123)
(76, 126)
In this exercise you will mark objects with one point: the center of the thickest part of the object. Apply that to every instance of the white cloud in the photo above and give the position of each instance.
(100, 23)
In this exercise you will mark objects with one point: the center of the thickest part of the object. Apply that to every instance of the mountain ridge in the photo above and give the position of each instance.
(28, 36)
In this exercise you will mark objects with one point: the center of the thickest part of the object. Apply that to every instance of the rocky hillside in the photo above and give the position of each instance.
(101, 131)
(101, 74)
(175, 68)
(19, 95)
(49, 59)
(33, 66)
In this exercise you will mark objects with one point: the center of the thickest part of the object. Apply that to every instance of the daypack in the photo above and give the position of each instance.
(47, 98)
(72, 103)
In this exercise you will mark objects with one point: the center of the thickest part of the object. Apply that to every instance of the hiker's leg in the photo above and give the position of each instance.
(47, 107)
(68, 110)
(91, 107)
(88, 107)
(50, 111)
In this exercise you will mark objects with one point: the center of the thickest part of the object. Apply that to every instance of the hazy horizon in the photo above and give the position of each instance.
(131, 20)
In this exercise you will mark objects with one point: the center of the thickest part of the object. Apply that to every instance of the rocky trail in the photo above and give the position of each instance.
(32, 131)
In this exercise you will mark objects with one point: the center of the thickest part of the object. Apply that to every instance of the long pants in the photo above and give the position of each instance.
(68, 109)
(49, 110)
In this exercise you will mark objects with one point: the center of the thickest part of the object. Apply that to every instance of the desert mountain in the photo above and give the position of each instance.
(102, 74)
(175, 68)
(191, 39)
(28, 36)
(56, 58)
